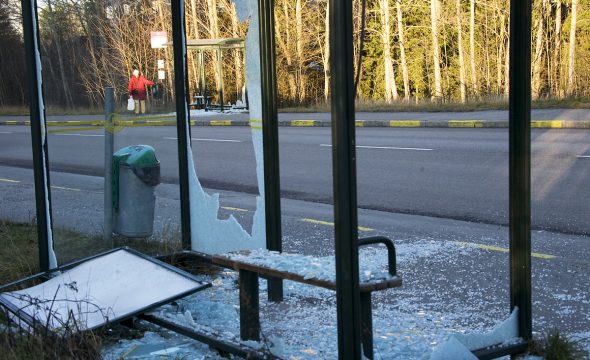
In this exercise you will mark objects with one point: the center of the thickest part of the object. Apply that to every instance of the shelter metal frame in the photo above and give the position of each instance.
(344, 166)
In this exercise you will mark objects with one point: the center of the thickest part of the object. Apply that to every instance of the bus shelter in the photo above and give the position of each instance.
(217, 46)
(343, 155)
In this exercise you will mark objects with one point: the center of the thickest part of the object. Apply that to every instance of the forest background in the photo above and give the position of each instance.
(453, 51)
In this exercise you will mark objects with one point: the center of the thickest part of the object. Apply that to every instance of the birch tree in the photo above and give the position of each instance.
(537, 57)
(557, 51)
(390, 85)
(572, 50)
(402, 50)
(434, 11)
(462, 80)
(472, 49)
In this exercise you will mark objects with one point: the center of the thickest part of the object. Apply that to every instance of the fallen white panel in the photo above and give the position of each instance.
(103, 289)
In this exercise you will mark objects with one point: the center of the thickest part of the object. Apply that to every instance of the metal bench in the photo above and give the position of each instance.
(201, 102)
(308, 270)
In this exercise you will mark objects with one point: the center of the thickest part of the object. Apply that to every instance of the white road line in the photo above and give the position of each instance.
(64, 188)
(583, 156)
(84, 135)
(213, 140)
(385, 147)
(5, 132)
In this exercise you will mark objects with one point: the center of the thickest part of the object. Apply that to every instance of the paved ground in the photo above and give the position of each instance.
(455, 273)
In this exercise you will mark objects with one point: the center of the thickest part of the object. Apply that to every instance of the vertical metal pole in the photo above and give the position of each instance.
(344, 173)
(520, 164)
(200, 67)
(38, 132)
(109, 144)
(182, 116)
(270, 139)
(220, 73)
(204, 91)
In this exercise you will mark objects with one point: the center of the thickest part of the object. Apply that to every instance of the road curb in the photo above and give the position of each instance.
(417, 123)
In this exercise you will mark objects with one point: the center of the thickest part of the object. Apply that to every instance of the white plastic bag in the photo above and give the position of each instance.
(130, 104)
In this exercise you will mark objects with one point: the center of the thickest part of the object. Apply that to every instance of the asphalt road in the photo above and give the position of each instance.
(448, 173)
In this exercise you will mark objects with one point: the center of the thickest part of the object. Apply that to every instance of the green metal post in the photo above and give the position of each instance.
(520, 164)
(182, 116)
(109, 149)
(38, 131)
(270, 139)
(344, 174)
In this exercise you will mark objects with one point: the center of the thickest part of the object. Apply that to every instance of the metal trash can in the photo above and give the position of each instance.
(136, 172)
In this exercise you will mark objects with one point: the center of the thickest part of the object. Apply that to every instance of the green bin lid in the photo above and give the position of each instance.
(136, 156)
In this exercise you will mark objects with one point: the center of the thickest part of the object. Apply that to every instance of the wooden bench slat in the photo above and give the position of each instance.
(243, 261)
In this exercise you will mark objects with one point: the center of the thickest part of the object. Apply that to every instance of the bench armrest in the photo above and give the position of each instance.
(390, 250)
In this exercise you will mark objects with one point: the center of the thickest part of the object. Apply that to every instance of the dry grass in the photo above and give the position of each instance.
(492, 103)
(19, 256)
(556, 346)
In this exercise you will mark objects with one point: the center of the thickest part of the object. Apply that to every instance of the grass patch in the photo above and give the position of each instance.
(20, 254)
(17, 344)
(19, 258)
(556, 346)
(364, 105)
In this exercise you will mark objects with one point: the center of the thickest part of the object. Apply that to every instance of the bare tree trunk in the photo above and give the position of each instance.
(283, 44)
(472, 50)
(402, 49)
(300, 50)
(501, 49)
(507, 66)
(572, 51)
(60, 61)
(167, 56)
(237, 55)
(557, 51)
(537, 58)
(462, 80)
(434, 9)
(326, 58)
(390, 85)
(486, 47)
(214, 34)
(196, 35)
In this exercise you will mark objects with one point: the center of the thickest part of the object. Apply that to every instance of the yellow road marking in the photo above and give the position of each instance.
(256, 124)
(466, 123)
(504, 250)
(551, 124)
(359, 123)
(220, 122)
(320, 222)
(233, 208)
(303, 122)
(73, 129)
(147, 118)
(9, 180)
(65, 188)
(75, 122)
(404, 123)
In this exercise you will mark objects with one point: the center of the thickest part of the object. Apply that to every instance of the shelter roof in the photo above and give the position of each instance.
(210, 44)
